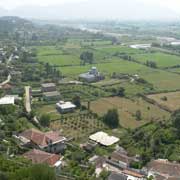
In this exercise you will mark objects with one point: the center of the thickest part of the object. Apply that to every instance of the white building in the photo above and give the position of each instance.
(64, 107)
(7, 100)
(140, 46)
(104, 139)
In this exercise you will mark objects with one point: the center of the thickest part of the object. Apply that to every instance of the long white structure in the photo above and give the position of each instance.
(104, 139)
(8, 100)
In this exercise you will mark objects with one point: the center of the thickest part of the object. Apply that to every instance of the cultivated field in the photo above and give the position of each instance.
(172, 100)
(127, 109)
(67, 57)
(162, 59)
(79, 127)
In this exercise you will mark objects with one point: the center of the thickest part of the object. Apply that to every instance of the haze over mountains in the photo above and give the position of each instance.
(95, 9)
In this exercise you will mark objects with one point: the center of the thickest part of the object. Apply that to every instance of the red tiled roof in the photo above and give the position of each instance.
(37, 156)
(40, 138)
(165, 167)
(6, 86)
(132, 173)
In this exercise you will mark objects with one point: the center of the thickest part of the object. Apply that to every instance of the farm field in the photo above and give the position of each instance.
(176, 70)
(172, 102)
(107, 64)
(48, 109)
(111, 49)
(163, 60)
(60, 60)
(127, 109)
(153, 76)
(79, 127)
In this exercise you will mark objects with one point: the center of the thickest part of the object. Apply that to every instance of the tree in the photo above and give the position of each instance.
(87, 57)
(176, 120)
(121, 92)
(45, 120)
(111, 118)
(151, 64)
(77, 101)
(35, 172)
(138, 115)
(3, 176)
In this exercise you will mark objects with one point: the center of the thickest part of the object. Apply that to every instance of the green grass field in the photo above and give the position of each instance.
(162, 59)
(69, 55)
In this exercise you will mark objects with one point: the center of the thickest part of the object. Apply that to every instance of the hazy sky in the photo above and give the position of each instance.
(171, 4)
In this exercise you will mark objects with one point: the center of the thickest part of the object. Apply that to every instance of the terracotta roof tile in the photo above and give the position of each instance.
(165, 167)
(37, 156)
(40, 138)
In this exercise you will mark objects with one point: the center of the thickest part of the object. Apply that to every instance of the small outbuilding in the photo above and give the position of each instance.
(51, 96)
(65, 107)
(48, 87)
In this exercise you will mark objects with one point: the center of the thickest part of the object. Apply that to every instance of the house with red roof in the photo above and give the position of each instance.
(41, 157)
(50, 141)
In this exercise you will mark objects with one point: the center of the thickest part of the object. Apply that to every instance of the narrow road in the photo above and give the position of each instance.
(9, 76)
(27, 99)
(6, 81)
(10, 59)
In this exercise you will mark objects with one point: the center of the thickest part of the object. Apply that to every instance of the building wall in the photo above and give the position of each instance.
(51, 98)
(48, 89)
(65, 110)
(56, 148)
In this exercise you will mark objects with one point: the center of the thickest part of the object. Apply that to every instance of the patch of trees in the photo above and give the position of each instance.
(151, 64)
(77, 101)
(111, 118)
(155, 140)
(52, 71)
(87, 57)
(45, 120)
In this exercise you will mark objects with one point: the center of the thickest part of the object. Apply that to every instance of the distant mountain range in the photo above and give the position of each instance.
(95, 9)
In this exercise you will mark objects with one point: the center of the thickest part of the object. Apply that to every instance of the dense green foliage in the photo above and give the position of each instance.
(111, 118)
(157, 140)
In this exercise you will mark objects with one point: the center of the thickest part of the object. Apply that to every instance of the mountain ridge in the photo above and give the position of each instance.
(99, 9)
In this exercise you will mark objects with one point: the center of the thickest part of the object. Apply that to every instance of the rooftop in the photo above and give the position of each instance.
(42, 139)
(116, 176)
(104, 139)
(37, 156)
(7, 100)
(164, 167)
(132, 173)
(50, 94)
(45, 85)
(65, 105)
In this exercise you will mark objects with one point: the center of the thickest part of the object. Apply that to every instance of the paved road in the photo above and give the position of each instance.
(27, 99)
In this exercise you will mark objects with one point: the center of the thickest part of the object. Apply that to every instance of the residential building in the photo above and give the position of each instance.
(92, 76)
(65, 107)
(41, 157)
(121, 159)
(51, 96)
(49, 141)
(48, 87)
(99, 163)
(132, 175)
(117, 176)
(164, 168)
